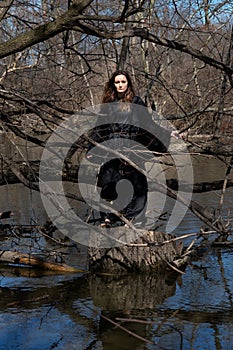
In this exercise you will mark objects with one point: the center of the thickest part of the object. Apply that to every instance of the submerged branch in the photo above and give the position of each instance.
(127, 330)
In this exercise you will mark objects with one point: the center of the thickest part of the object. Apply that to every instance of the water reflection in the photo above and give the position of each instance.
(194, 311)
(183, 313)
(205, 303)
(78, 303)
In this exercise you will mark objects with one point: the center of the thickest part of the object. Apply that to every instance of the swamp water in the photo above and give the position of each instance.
(193, 311)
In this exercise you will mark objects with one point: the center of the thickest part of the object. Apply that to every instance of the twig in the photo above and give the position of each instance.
(127, 330)
(170, 240)
(225, 182)
(169, 264)
(135, 320)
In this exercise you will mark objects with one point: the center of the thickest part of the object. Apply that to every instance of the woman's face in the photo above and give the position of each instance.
(121, 83)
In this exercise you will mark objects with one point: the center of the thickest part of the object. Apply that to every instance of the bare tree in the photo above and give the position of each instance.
(57, 56)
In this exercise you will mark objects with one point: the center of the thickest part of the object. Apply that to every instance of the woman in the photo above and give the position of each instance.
(124, 123)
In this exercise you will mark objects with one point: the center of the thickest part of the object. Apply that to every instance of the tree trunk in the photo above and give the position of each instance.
(147, 253)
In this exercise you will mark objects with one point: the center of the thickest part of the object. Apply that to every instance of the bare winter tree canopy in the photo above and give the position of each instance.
(56, 56)
(179, 52)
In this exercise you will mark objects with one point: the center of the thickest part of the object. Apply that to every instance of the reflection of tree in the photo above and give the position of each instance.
(85, 299)
(132, 292)
(42, 294)
(121, 299)
(225, 282)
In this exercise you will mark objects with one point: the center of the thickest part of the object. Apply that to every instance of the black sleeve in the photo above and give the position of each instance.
(155, 137)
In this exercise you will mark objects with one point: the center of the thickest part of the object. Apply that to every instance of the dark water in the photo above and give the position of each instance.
(193, 311)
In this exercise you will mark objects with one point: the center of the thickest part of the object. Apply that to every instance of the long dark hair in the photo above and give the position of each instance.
(110, 93)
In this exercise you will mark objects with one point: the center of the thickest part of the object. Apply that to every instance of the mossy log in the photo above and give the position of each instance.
(149, 252)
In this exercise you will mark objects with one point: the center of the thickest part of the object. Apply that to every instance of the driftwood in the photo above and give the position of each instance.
(147, 253)
(38, 262)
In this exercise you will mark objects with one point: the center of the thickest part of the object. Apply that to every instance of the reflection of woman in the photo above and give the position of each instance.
(119, 89)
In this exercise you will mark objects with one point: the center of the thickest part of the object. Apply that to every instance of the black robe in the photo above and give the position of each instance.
(116, 171)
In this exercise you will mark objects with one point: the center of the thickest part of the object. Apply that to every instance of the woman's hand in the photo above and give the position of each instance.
(178, 136)
(175, 134)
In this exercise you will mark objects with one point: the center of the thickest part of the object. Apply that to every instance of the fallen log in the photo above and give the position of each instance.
(7, 256)
(28, 175)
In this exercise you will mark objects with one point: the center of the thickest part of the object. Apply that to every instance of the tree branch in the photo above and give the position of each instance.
(144, 33)
(45, 31)
(72, 18)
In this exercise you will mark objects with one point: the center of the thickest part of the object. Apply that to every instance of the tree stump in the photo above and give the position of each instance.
(149, 253)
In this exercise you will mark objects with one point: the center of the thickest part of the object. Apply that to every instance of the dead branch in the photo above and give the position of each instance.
(5, 6)
(226, 180)
(127, 330)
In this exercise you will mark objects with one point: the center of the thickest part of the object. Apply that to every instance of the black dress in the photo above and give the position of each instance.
(121, 185)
